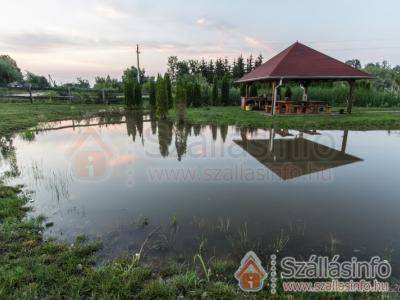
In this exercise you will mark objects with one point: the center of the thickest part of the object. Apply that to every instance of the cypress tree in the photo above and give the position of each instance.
(138, 95)
(168, 87)
(180, 101)
(161, 98)
(129, 92)
(196, 95)
(214, 95)
(190, 93)
(152, 93)
(225, 90)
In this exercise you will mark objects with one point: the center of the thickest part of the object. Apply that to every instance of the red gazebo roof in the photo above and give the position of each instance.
(299, 62)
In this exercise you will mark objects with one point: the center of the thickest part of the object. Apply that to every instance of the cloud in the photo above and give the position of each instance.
(201, 21)
(50, 40)
(252, 42)
(231, 35)
(108, 11)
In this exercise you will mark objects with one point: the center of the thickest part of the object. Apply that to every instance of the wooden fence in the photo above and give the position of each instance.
(61, 95)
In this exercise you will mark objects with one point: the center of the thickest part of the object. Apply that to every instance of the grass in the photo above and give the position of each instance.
(31, 267)
(360, 119)
(18, 116)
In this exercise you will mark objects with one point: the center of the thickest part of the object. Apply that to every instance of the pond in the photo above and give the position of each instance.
(222, 188)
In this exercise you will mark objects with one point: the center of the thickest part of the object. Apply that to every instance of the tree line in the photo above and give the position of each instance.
(211, 82)
(211, 69)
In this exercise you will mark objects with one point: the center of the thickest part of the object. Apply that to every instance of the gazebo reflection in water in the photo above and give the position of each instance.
(296, 156)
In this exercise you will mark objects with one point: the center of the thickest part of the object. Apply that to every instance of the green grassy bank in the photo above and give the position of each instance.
(32, 268)
(361, 118)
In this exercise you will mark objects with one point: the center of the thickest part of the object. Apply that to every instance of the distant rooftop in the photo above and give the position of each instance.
(300, 62)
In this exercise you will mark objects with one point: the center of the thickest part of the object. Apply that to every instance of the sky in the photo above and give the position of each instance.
(88, 38)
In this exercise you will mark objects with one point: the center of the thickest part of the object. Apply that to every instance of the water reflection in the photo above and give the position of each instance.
(228, 216)
(295, 157)
(8, 154)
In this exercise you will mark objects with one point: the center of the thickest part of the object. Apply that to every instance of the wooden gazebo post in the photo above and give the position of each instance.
(352, 84)
(273, 98)
(275, 85)
(344, 140)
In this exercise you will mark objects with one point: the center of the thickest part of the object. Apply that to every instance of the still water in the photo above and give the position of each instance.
(230, 189)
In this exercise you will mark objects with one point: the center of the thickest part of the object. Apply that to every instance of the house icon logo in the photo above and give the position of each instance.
(90, 157)
(251, 275)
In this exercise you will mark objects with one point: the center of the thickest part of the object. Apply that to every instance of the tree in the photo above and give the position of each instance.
(133, 72)
(169, 90)
(9, 71)
(180, 101)
(37, 81)
(194, 66)
(214, 95)
(227, 67)
(196, 95)
(138, 102)
(130, 73)
(219, 68)
(225, 90)
(249, 65)
(129, 91)
(211, 71)
(288, 92)
(152, 93)
(355, 63)
(189, 86)
(82, 83)
(242, 90)
(161, 98)
(172, 66)
(253, 90)
(259, 61)
(279, 92)
(238, 68)
(106, 83)
(182, 69)
(203, 68)
(181, 135)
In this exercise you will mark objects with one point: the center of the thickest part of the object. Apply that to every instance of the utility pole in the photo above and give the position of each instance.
(51, 81)
(138, 66)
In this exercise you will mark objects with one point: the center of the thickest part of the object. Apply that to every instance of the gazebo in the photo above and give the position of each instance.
(303, 65)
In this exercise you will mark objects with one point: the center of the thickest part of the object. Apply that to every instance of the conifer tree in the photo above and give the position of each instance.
(196, 94)
(259, 61)
(129, 92)
(180, 101)
(214, 95)
(138, 95)
(225, 90)
(152, 93)
(249, 65)
(161, 98)
(168, 87)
